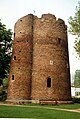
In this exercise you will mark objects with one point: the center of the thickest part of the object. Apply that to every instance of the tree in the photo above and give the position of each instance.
(5, 50)
(5, 55)
(77, 78)
(74, 29)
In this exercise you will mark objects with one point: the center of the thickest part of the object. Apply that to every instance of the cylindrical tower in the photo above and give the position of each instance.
(50, 73)
(21, 63)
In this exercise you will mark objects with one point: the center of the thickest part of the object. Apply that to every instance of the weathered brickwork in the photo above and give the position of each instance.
(40, 63)
(21, 63)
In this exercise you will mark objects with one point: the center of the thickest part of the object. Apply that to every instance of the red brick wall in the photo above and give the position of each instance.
(41, 49)
(50, 45)
(20, 87)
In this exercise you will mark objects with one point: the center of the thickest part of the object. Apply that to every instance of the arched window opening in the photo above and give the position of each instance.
(14, 34)
(48, 82)
(12, 77)
(14, 57)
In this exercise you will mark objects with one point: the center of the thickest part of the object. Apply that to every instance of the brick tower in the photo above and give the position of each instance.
(21, 63)
(40, 63)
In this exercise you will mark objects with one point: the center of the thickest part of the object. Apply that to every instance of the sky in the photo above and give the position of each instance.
(12, 10)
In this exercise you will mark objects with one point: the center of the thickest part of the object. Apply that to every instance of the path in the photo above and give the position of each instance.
(69, 110)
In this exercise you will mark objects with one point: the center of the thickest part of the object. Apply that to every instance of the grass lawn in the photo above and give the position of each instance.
(38, 113)
(68, 106)
(63, 106)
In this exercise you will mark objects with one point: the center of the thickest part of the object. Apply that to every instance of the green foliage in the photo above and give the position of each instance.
(76, 100)
(5, 56)
(5, 82)
(75, 22)
(3, 89)
(5, 50)
(74, 29)
(77, 46)
(77, 78)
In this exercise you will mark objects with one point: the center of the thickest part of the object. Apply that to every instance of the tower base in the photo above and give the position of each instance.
(43, 102)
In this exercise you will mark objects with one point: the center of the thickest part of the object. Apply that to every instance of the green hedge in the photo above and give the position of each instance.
(76, 100)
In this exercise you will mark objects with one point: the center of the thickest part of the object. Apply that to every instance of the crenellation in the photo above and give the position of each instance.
(48, 17)
(61, 22)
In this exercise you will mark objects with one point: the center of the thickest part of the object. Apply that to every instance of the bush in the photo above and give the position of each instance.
(3, 96)
(76, 100)
(3, 89)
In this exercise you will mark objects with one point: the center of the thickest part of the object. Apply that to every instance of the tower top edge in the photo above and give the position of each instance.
(47, 16)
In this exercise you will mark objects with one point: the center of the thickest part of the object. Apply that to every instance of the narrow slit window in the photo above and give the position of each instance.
(49, 82)
(32, 27)
(14, 57)
(12, 77)
(59, 40)
(14, 34)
